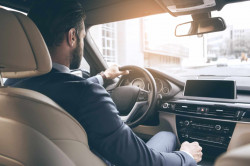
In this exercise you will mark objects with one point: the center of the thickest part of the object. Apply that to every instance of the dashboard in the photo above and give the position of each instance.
(218, 124)
(162, 85)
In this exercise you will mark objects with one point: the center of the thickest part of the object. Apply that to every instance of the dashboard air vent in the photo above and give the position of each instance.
(205, 110)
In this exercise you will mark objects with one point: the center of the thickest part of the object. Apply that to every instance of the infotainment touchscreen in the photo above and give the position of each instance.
(211, 88)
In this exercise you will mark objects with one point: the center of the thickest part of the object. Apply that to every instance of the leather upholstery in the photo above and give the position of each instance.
(22, 49)
(33, 113)
(34, 129)
(239, 156)
(240, 137)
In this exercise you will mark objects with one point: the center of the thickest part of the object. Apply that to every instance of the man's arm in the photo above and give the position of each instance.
(96, 79)
(114, 140)
(111, 73)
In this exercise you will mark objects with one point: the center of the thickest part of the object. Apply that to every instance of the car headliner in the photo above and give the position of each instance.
(103, 11)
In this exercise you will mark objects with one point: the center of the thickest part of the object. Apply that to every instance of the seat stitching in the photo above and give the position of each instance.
(15, 160)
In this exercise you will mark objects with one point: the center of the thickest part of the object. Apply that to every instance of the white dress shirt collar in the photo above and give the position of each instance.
(61, 68)
(65, 69)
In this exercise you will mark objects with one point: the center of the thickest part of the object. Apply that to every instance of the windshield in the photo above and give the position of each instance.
(150, 42)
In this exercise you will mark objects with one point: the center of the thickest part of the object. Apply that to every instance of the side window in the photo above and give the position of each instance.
(105, 37)
(109, 41)
(84, 65)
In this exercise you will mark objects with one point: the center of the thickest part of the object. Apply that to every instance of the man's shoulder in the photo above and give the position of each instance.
(79, 83)
(53, 77)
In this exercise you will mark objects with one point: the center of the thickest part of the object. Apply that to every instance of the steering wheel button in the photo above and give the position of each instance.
(143, 96)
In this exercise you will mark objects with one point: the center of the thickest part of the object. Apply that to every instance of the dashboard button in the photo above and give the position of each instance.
(173, 107)
(186, 122)
(202, 110)
(206, 110)
(165, 105)
(165, 90)
(217, 127)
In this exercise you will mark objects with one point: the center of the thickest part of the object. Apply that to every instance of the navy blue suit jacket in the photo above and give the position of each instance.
(92, 106)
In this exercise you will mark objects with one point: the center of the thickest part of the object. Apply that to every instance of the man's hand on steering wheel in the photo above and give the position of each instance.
(113, 72)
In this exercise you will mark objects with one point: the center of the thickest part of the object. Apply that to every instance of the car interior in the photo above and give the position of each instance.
(211, 109)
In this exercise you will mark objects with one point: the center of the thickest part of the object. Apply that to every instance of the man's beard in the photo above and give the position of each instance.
(76, 57)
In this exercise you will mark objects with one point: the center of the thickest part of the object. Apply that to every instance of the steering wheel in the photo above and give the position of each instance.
(134, 104)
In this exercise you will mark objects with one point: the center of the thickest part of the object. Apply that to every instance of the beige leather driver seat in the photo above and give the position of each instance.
(34, 130)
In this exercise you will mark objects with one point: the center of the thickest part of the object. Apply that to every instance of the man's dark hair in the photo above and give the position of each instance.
(54, 18)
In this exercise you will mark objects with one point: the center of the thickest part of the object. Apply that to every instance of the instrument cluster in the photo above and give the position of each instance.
(163, 87)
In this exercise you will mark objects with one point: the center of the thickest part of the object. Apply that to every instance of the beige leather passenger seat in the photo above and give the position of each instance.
(34, 130)
(236, 157)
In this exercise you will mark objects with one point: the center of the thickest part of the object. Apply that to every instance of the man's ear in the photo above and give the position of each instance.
(71, 37)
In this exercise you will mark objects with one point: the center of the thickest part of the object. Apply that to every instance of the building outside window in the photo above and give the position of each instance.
(109, 42)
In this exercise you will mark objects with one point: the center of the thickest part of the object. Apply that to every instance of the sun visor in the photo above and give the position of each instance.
(183, 7)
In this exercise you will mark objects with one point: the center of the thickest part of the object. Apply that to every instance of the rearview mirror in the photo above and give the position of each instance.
(199, 27)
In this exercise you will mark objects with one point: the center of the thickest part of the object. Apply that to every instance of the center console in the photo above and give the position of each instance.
(208, 123)
(207, 112)
(206, 132)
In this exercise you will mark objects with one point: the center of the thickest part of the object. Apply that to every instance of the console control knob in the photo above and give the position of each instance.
(186, 136)
(186, 122)
(165, 105)
(217, 127)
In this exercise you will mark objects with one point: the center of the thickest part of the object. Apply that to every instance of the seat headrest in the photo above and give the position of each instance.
(23, 52)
